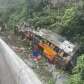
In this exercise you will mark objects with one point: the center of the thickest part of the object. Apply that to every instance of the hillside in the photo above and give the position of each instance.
(61, 16)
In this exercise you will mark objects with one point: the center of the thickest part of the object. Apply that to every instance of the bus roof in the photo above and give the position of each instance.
(57, 40)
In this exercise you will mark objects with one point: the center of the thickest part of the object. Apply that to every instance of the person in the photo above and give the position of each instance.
(36, 53)
(40, 45)
(16, 30)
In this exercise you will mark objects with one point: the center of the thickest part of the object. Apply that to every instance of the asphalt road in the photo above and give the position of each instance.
(6, 76)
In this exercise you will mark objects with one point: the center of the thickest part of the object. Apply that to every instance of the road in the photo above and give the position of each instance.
(6, 76)
(13, 70)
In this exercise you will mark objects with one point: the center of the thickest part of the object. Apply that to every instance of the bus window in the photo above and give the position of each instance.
(52, 46)
(61, 53)
(56, 49)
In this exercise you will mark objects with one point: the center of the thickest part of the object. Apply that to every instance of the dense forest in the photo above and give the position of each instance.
(63, 17)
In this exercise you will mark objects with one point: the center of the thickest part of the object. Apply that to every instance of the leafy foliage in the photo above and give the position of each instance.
(69, 15)
(77, 76)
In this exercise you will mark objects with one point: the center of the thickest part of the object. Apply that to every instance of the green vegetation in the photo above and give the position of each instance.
(67, 20)
(77, 76)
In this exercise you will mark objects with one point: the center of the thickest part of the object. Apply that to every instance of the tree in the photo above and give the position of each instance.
(77, 76)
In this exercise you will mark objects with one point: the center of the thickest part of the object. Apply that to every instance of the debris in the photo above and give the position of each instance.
(17, 49)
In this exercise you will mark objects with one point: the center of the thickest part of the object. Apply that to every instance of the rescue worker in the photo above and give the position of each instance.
(36, 53)
(40, 47)
(16, 30)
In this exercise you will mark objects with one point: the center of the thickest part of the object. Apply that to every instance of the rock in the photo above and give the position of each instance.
(29, 63)
(17, 49)
(61, 78)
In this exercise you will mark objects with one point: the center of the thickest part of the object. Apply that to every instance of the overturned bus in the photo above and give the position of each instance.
(54, 47)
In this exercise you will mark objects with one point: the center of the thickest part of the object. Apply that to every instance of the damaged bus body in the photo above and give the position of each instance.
(54, 47)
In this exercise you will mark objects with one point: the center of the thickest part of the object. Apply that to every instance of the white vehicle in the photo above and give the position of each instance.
(55, 47)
